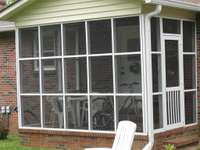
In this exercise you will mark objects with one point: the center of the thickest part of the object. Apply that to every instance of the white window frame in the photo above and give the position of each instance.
(88, 94)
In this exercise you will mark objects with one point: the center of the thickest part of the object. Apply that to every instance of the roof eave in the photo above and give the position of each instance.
(4, 14)
(177, 4)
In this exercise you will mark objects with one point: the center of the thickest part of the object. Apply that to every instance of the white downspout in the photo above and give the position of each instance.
(148, 17)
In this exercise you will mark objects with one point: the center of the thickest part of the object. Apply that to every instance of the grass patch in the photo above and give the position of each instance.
(13, 143)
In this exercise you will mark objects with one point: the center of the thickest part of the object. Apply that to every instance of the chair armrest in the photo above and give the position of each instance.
(98, 149)
(147, 147)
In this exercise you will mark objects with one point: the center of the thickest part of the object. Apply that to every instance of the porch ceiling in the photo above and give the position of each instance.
(193, 5)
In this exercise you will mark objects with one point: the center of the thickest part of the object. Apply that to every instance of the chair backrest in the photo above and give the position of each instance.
(124, 136)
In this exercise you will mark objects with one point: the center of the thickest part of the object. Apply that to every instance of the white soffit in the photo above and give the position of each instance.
(177, 4)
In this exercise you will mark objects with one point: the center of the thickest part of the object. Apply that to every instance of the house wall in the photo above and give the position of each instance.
(51, 11)
(8, 76)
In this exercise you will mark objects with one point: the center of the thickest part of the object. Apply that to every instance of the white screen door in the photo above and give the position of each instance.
(173, 79)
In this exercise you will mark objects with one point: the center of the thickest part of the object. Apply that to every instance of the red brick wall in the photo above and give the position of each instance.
(72, 140)
(8, 75)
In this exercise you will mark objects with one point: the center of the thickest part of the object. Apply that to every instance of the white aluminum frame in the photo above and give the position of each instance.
(179, 37)
(88, 94)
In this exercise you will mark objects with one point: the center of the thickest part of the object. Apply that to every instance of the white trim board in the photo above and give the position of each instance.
(7, 26)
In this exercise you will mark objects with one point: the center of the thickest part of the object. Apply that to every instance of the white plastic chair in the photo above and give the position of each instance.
(124, 137)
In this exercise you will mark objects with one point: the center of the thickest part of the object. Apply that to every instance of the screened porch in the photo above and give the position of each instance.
(87, 76)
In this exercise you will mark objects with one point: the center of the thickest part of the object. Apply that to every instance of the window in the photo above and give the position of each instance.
(29, 78)
(100, 37)
(189, 60)
(130, 108)
(157, 111)
(29, 46)
(51, 79)
(128, 34)
(172, 63)
(94, 77)
(74, 39)
(101, 74)
(76, 75)
(171, 26)
(30, 106)
(50, 45)
(157, 73)
(53, 112)
(128, 74)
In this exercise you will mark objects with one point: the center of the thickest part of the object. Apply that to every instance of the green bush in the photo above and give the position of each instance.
(3, 131)
(169, 147)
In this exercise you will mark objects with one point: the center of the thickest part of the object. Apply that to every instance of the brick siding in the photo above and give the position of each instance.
(72, 140)
(8, 76)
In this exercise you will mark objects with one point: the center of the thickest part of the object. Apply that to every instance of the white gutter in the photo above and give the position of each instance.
(148, 17)
(176, 3)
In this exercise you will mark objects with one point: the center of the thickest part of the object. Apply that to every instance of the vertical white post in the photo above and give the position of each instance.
(181, 75)
(18, 78)
(88, 74)
(63, 76)
(144, 74)
(40, 75)
(114, 73)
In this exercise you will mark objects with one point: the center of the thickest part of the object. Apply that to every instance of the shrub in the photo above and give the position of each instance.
(3, 131)
(169, 147)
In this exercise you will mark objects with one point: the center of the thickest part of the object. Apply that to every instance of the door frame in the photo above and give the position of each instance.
(178, 38)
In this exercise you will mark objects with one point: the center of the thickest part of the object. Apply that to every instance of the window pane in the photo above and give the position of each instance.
(74, 39)
(100, 36)
(128, 74)
(51, 40)
(171, 26)
(189, 72)
(172, 63)
(52, 76)
(190, 107)
(128, 34)
(30, 106)
(29, 76)
(188, 36)
(53, 112)
(102, 112)
(101, 74)
(130, 108)
(76, 75)
(158, 111)
(77, 112)
(28, 42)
(155, 34)
(157, 73)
